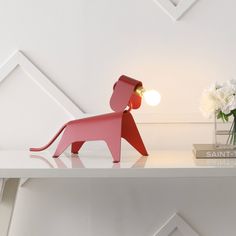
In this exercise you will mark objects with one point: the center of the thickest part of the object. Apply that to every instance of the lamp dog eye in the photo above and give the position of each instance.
(151, 97)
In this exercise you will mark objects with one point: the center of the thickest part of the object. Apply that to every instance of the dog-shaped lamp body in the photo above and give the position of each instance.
(109, 127)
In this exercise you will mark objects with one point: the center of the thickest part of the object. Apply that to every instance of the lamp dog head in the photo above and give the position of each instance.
(124, 94)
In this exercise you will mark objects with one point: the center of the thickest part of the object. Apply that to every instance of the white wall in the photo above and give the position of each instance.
(124, 207)
(84, 46)
(79, 43)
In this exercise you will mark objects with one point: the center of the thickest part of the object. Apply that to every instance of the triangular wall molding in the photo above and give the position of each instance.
(175, 11)
(19, 59)
(176, 222)
(41, 80)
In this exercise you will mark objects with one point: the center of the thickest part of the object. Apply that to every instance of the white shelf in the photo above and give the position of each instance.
(23, 164)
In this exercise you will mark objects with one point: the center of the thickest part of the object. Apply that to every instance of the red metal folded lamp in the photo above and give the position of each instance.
(109, 127)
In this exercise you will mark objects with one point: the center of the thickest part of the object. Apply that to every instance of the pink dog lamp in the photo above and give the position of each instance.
(111, 127)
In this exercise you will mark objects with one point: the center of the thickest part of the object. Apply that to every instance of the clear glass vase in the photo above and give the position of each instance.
(225, 133)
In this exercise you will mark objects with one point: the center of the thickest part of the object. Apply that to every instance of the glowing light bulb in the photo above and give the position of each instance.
(151, 97)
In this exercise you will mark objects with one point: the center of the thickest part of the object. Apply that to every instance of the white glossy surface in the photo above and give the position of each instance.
(18, 164)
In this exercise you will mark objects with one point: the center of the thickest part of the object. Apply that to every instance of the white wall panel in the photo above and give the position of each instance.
(127, 207)
(83, 47)
(80, 43)
(32, 108)
(175, 8)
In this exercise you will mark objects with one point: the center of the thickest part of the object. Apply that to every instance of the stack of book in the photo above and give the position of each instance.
(211, 151)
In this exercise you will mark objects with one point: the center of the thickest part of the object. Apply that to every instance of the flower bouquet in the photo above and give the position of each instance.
(219, 100)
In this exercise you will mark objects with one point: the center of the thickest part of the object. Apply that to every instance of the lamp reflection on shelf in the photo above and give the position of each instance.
(42, 159)
(140, 163)
(116, 165)
(77, 162)
(60, 163)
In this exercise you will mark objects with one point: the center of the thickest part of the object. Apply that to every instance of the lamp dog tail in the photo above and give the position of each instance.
(50, 142)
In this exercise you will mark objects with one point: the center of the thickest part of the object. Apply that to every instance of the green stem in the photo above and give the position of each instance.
(231, 140)
(234, 130)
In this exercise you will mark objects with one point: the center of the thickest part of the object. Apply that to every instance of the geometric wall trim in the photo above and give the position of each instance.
(175, 10)
(19, 59)
(176, 222)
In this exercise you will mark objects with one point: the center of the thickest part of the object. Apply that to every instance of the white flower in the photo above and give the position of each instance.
(219, 98)
(225, 98)
(210, 101)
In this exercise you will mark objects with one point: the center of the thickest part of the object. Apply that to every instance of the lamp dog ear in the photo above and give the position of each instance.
(124, 94)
